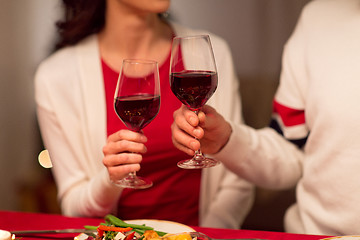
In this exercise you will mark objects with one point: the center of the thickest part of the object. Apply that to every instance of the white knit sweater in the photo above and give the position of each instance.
(320, 75)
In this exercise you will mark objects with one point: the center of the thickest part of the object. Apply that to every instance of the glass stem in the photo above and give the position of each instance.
(198, 153)
(132, 175)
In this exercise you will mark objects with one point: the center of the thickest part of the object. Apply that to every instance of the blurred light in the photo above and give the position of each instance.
(44, 159)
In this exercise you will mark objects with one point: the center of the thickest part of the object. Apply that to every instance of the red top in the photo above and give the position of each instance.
(175, 193)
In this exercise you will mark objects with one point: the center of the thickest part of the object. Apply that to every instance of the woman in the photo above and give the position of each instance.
(90, 147)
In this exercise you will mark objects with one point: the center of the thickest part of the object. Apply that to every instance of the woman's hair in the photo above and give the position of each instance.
(81, 18)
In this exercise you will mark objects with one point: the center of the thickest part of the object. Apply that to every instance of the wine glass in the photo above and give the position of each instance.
(137, 102)
(193, 80)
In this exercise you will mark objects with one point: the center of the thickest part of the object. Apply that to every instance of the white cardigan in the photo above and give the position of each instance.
(72, 116)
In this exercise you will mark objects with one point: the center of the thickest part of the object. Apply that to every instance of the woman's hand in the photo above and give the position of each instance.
(209, 127)
(123, 153)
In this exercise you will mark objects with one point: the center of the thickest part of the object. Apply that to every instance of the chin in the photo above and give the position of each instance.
(161, 6)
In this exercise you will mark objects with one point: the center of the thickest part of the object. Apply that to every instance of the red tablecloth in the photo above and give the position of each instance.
(12, 221)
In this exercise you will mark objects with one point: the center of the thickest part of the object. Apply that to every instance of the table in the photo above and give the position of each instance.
(11, 221)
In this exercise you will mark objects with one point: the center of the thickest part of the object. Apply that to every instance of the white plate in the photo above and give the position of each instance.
(163, 226)
(343, 238)
(159, 225)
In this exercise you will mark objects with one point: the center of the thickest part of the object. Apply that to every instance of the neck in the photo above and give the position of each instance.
(129, 34)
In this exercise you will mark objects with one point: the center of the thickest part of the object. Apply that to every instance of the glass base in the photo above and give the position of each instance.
(198, 162)
(134, 182)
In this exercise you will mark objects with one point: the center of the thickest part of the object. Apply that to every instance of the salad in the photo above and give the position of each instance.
(116, 229)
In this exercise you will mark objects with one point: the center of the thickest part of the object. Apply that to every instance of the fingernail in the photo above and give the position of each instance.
(192, 120)
(196, 132)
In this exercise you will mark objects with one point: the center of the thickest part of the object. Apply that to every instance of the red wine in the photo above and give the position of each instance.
(137, 111)
(193, 88)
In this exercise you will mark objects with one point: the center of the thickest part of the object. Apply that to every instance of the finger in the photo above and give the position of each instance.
(184, 119)
(190, 116)
(119, 172)
(124, 146)
(202, 118)
(119, 165)
(206, 115)
(125, 134)
(183, 148)
(183, 140)
(122, 159)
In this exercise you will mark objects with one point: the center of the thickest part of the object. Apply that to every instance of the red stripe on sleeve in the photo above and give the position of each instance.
(289, 116)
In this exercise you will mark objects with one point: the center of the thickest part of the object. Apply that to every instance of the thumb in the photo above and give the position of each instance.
(207, 116)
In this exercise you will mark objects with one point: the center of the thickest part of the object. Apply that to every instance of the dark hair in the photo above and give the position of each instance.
(81, 18)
